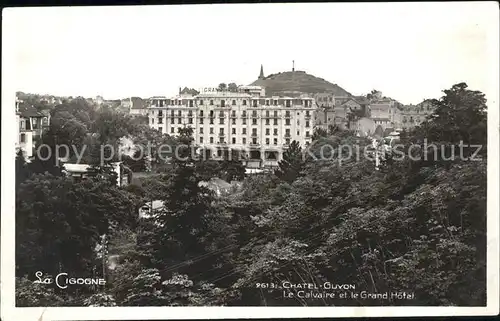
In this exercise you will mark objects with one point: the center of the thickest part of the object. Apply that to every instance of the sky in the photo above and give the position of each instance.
(409, 51)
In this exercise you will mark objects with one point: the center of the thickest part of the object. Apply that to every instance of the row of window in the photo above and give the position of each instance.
(244, 141)
(243, 132)
(233, 121)
(223, 115)
(254, 102)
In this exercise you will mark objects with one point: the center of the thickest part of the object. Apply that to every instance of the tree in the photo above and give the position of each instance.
(59, 222)
(291, 164)
(460, 115)
(222, 87)
(22, 171)
(232, 87)
(319, 132)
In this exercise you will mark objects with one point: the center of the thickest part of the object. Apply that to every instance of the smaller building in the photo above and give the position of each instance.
(81, 171)
(33, 120)
(149, 209)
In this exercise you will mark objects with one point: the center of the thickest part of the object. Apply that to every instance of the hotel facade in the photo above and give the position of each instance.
(257, 127)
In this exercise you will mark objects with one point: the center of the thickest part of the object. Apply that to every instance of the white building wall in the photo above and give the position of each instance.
(246, 130)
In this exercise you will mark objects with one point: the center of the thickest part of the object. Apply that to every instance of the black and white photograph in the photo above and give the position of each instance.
(319, 156)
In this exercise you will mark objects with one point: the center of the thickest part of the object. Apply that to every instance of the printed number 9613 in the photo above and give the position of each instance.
(266, 286)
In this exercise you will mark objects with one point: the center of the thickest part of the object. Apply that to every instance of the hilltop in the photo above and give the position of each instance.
(298, 81)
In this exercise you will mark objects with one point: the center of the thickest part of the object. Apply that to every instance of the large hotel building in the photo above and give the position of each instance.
(258, 127)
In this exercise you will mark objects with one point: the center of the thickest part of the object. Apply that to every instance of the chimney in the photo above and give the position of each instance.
(293, 65)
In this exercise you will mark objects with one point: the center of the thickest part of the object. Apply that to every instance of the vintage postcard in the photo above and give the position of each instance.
(250, 161)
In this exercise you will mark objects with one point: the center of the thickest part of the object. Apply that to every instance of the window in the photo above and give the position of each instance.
(287, 114)
(287, 132)
(254, 141)
(201, 140)
(211, 102)
(267, 121)
(267, 102)
(244, 121)
(275, 113)
(201, 130)
(244, 131)
(287, 103)
(276, 141)
(287, 141)
(178, 129)
(267, 113)
(221, 131)
(287, 121)
(191, 103)
(219, 153)
(255, 103)
(254, 121)
(267, 131)
(234, 140)
(190, 120)
(211, 140)
(152, 120)
(275, 102)
(307, 123)
(201, 120)
(172, 130)
(160, 121)
(267, 141)
(233, 131)
(211, 121)
(254, 131)
(244, 102)
(244, 140)
(221, 121)
(172, 114)
(233, 121)
(201, 113)
(298, 133)
(233, 113)
(223, 103)
(275, 121)
(275, 132)
(23, 138)
(307, 134)
(234, 102)
(179, 120)
(211, 130)
(179, 113)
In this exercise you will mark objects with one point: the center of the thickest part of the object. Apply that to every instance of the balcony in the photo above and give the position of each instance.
(222, 135)
(254, 144)
(244, 116)
(308, 116)
(254, 135)
(287, 136)
(288, 116)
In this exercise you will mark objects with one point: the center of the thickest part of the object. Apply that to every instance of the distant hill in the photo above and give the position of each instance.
(298, 81)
